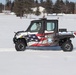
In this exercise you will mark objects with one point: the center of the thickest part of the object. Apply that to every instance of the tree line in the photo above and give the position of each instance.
(21, 7)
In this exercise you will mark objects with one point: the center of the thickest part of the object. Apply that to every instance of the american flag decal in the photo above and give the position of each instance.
(32, 37)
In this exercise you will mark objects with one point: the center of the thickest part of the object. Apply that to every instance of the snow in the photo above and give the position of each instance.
(41, 9)
(34, 61)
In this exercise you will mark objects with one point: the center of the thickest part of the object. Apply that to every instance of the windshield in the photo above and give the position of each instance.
(35, 27)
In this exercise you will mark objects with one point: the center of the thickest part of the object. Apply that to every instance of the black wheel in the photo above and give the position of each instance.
(20, 46)
(67, 46)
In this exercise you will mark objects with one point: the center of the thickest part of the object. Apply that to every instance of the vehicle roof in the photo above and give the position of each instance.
(46, 19)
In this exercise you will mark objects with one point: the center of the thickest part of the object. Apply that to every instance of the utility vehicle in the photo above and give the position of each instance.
(43, 32)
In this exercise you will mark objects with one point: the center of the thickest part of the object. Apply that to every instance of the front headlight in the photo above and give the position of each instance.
(18, 35)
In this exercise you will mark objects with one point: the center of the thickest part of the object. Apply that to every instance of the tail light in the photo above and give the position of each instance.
(75, 33)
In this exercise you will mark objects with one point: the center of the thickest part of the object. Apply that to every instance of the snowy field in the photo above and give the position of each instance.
(34, 61)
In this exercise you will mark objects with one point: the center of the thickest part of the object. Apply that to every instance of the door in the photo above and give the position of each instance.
(34, 29)
(50, 28)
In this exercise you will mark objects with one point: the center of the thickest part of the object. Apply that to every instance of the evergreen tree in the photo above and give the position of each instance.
(41, 1)
(31, 2)
(36, 1)
(27, 6)
(71, 7)
(49, 6)
(19, 7)
(12, 6)
(23, 7)
(59, 7)
(1, 7)
(8, 4)
(37, 12)
(67, 6)
(62, 6)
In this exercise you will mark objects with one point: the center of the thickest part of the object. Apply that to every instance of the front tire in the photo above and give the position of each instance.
(20, 46)
(67, 47)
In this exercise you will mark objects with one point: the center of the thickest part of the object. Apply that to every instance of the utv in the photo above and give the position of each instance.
(43, 32)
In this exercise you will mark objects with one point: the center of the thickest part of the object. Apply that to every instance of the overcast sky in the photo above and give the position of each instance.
(4, 1)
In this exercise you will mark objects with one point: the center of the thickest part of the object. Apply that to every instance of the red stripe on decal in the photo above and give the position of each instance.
(41, 35)
(37, 44)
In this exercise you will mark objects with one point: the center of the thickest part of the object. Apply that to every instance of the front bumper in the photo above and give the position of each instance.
(14, 39)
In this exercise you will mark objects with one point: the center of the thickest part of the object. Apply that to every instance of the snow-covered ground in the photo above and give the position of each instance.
(37, 63)
(34, 61)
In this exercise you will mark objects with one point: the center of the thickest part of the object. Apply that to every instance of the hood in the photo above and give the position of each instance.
(20, 33)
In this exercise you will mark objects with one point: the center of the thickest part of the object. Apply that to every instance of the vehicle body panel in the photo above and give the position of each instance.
(42, 33)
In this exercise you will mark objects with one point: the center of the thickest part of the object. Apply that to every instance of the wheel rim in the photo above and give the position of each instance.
(67, 47)
(21, 46)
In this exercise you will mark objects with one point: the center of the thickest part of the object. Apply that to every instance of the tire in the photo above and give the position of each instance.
(67, 47)
(20, 46)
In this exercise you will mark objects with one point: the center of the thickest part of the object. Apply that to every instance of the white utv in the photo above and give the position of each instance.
(43, 32)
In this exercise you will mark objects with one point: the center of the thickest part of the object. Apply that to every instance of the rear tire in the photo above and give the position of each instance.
(67, 47)
(20, 46)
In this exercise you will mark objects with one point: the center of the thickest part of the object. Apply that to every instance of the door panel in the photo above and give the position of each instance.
(49, 33)
(32, 33)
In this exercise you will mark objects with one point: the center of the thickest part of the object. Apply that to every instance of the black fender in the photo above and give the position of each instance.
(20, 39)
